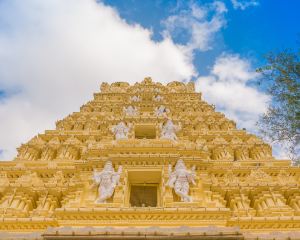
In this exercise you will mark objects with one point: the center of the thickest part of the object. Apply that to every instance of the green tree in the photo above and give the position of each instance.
(281, 123)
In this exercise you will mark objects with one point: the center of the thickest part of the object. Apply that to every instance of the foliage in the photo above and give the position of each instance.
(281, 122)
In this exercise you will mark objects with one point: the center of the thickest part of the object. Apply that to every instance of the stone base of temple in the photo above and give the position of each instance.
(150, 233)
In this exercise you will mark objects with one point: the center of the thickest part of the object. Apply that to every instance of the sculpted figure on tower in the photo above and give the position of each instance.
(180, 180)
(135, 99)
(106, 180)
(168, 130)
(161, 111)
(121, 131)
(130, 111)
(158, 98)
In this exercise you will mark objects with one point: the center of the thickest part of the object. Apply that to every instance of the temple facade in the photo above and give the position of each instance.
(148, 161)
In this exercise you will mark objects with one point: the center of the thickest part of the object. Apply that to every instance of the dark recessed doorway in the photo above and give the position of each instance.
(143, 196)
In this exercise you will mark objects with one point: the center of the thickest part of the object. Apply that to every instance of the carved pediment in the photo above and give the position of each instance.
(219, 141)
(230, 178)
(73, 141)
(223, 153)
(59, 179)
(284, 178)
(236, 141)
(37, 140)
(30, 179)
(119, 87)
(254, 140)
(258, 176)
(176, 86)
(54, 141)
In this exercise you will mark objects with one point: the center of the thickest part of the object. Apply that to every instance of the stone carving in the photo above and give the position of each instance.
(161, 111)
(70, 152)
(73, 141)
(135, 99)
(54, 141)
(230, 178)
(284, 178)
(168, 130)
(119, 87)
(48, 153)
(91, 142)
(30, 179)
(130, 111)
(121, 131)
(37, 141)
(147, 81)
(4, 180)
(261, 152)
(104, 87)
(29, 153)
(59, 178)
(223, 153)
(156, 90)
(158, 98)
(106, 180)
(180, 180)
(190, 87)
(177, 86)
(258, 176)
(241, 154)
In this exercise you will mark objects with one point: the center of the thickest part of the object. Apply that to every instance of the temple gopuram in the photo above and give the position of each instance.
(148, 161)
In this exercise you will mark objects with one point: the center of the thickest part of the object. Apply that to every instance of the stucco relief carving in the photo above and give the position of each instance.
(135, 99)
(180, 180)
(168, 130)
(161, 111)
(158, 98)
(59, 178)
(258, 176)
(30, 179)
(130, 111)
(106, 180)
(121, 131)
(284, 178)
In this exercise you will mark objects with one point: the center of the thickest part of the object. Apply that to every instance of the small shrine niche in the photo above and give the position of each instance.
(143, 195)
(144, 188)
(145, 132)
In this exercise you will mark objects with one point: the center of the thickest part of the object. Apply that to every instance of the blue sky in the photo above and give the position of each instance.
(268, 26)
(54, 54)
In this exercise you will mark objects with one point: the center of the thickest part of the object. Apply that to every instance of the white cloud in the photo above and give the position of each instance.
(228, 88)
(243, 4)
(56, 53)
(195, 23)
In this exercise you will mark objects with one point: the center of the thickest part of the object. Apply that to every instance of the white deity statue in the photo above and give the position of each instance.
(130, 111)
(180, 180)
(135, 99)
(158, 98)
(106, 180)
(121, 131)
(168, 130)
(161, 111)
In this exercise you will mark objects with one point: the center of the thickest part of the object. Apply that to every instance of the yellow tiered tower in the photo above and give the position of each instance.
(148, 161)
